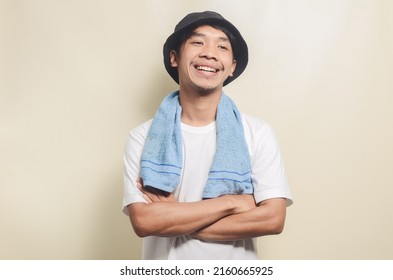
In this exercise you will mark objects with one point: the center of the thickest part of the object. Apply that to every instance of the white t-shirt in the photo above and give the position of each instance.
(199, 145)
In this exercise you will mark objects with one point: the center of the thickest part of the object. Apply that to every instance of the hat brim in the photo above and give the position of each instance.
(240, 50)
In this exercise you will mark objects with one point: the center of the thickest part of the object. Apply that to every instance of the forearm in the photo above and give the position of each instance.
(174, 218)
(266, 219)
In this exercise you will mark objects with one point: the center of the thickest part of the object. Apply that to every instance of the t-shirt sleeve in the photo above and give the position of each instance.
(268, 171)
(132, 154)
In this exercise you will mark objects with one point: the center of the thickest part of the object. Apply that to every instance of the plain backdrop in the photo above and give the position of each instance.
(77, 75)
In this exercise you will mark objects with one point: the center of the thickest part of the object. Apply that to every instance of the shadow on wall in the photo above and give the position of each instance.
(114, 237)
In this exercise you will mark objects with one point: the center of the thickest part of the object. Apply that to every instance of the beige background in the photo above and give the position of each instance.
(77, 75)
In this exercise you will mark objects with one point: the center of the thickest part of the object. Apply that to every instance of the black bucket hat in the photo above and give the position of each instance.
(194, 20)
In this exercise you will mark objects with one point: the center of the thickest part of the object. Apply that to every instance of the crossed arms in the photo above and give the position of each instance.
(229, 217)
(226, 218)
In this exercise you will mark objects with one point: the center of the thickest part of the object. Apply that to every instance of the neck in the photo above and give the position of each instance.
(199, 109)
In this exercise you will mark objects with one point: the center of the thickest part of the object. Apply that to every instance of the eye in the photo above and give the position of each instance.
(197, 43)
(222, 47)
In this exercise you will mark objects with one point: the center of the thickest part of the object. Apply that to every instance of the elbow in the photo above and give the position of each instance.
(141, 225)
(277, 218)
(140, 229)
(144, 228)
(140, 232)
(277, 225)
(152, 230)
(277, 228)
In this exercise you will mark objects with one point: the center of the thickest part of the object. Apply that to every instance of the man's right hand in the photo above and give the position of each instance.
(154, 195)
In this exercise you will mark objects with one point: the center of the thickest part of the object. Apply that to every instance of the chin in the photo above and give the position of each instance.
(206, 90)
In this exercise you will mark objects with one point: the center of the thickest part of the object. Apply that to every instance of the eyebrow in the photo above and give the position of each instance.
(198, 34)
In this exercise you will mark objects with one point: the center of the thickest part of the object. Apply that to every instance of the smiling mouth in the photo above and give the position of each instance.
(206, 69)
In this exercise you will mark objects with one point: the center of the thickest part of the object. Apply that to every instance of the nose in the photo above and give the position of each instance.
(209, 51)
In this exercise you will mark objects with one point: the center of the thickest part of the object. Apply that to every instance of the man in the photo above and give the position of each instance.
(202, 180)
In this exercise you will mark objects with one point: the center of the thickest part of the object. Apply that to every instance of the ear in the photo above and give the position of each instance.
(233, 67)
(173, 58)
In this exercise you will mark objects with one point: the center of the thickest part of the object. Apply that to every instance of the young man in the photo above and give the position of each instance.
(202, 180)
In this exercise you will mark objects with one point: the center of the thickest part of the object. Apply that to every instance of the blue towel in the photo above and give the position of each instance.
(162, 157)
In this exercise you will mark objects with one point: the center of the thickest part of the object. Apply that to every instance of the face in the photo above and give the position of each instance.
(205, 60)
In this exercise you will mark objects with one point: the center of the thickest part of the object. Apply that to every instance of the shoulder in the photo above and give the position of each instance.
(259, 135)
(141, 130)
(137, 136)
(255, 128)
(252, 121)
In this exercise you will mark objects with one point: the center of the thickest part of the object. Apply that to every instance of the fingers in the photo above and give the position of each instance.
(139, 185)
(147, 198)
(153, 195)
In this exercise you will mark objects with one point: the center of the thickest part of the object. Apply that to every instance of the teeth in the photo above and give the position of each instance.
(206, 68)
